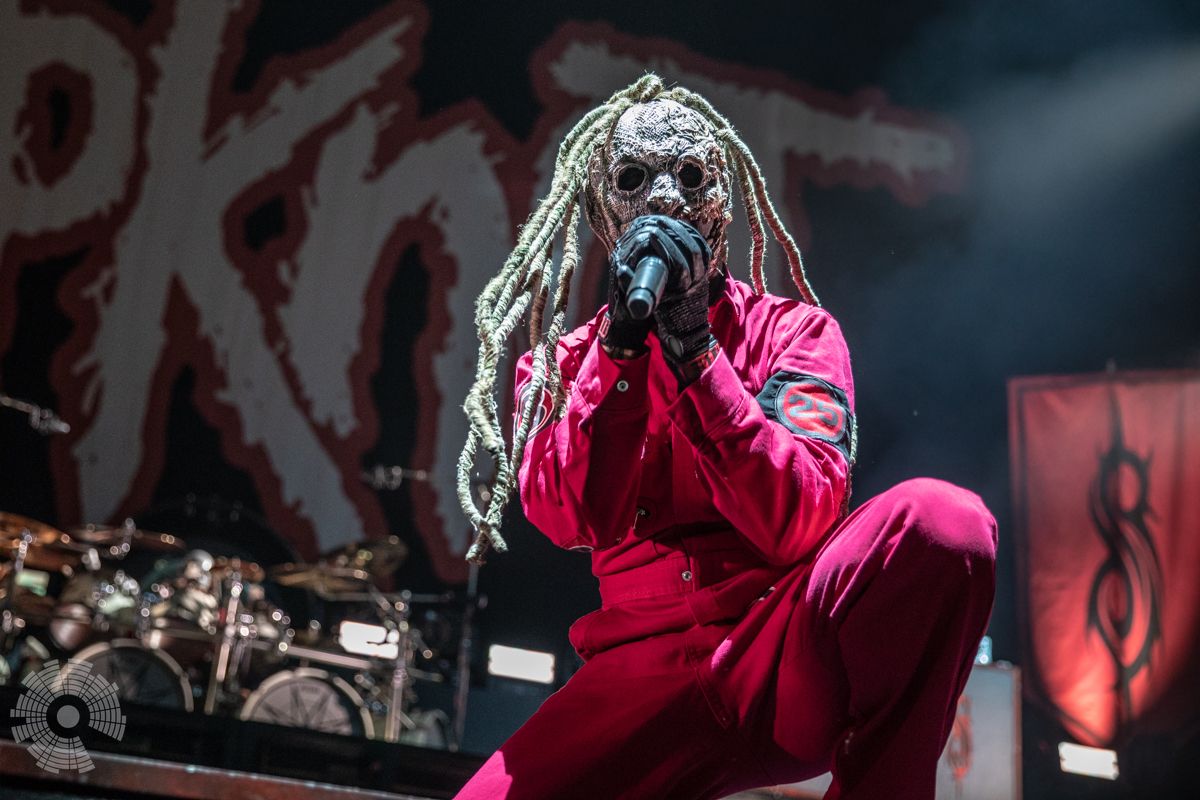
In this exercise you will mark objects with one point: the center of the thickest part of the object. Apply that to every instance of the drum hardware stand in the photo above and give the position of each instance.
(466, 642)
(128, 528)
(238, 638)
(225, 649)
(42, 420)
(472, 602)
(390, 478)
(397, 718)
(393, 611)
(395, 617)
(90, 560)
(10, 623)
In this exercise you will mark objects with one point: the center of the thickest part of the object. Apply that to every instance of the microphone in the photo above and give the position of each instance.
(646, 288)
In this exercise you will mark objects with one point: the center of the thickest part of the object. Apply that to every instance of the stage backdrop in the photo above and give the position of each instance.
(242, 220)
(1106, 472)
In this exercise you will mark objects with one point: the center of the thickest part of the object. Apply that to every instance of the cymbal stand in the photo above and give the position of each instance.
(225, 655)
(394, 611)
(466, 642)
(128, 529)
(10, 624)
(394, 614)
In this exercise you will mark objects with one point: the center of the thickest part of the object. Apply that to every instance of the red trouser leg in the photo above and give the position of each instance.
(855, 661)
(906, 587)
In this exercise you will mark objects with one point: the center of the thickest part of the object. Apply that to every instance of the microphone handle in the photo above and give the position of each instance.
(646, 288)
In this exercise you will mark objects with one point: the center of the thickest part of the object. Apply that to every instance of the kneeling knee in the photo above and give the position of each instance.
(953, 521)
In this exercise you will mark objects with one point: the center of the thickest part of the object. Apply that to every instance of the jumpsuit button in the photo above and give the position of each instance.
(642, 512)
(687, 575)
(622, 385)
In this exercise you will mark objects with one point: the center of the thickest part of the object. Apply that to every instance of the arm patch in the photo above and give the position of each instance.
(809, 406)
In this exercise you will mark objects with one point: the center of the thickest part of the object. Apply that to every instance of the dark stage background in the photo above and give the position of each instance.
(1068, 243)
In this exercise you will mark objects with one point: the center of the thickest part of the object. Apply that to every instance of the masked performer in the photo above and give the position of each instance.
(751, 633)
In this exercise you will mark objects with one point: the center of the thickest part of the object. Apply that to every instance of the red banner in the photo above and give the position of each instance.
(1106, 487)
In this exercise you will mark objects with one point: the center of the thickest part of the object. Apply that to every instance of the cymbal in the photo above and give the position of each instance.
(12, 525)
(50, 549)
(110, 539)
(321, 578)
(249, 571)
(379, 557)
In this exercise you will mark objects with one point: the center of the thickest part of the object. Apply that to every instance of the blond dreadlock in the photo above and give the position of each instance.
(525, 281)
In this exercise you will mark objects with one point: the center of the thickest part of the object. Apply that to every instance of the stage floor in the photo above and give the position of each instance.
(174, 754)
(117, 775)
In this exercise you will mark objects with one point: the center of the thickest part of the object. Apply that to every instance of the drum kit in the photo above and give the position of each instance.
(199, 632)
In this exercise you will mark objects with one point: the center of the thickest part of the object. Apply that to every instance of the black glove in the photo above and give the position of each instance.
(621, 334)
(682, 312)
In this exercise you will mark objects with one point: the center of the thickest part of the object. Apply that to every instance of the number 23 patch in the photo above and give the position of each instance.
(809, 406)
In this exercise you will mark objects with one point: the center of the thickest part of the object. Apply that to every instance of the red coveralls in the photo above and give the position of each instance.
(743, 639)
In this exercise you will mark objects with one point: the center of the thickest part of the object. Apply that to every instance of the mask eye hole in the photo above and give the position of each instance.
(690, 174)
(630, 177)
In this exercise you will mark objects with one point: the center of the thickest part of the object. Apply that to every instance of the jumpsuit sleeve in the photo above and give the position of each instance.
(781, 487)
(579, 475)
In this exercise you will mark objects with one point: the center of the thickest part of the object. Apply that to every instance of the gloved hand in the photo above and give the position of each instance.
(621, 335)
(682, 313)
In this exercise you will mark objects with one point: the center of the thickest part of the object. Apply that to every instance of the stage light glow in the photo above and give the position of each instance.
(984, 654)
(363, 639)
(526, 665)
(1092, 761)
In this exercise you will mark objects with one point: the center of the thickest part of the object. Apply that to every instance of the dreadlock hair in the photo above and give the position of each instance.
(528, 277)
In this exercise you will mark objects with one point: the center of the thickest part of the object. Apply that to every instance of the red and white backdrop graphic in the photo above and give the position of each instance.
(1105, 474)
(160, 163)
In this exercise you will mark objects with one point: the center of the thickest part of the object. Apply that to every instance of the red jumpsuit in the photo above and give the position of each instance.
(745, 638)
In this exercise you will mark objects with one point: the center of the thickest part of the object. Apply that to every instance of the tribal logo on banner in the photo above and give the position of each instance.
(1124, 608)
(125, 147)
(1103, 470)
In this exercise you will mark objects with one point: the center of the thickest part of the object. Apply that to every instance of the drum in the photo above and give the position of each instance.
(260, 639)
(182, 615)
(141, 675)
(92, 603)
(309, 698)
(262, 620)
(31, 599)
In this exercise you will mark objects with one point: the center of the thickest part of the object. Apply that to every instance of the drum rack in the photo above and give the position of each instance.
(200, 628)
